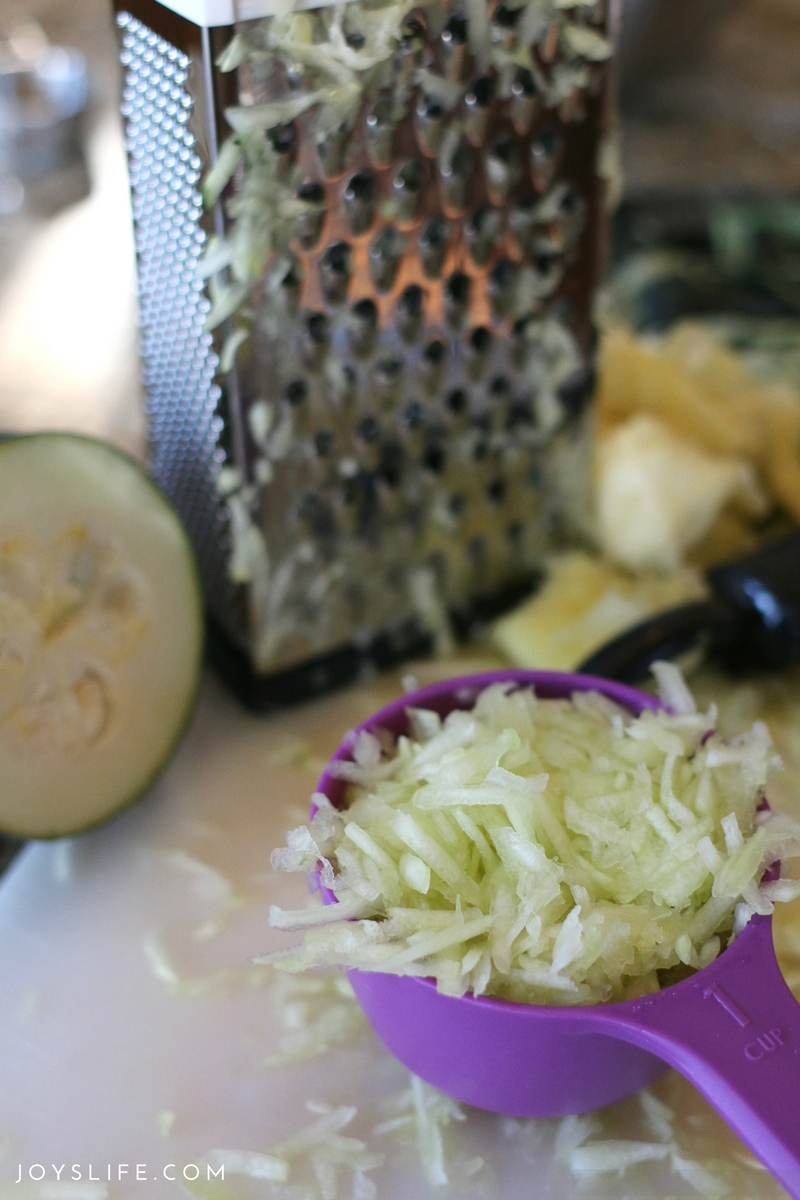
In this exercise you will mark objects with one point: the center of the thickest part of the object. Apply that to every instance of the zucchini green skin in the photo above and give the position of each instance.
(9, 444)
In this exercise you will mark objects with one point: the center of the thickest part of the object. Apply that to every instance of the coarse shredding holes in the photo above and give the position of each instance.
(366, 311)
(410, 301)
(312, 192)
(410, 175)
(334, 271)
(480, 340)
(455, 31)
(384, 258)
(434, 457)
(457, 400)
(359, 201)
(430, 107)
(457, 288)
(413, 31)
(390, 467)
(481, 93)
(413, 415)
(323, 442)
(283, 138)
(296, 392)
(433, 240)
(318, 327)
(337, 257)
(369, 429)
(519, 413)
(435, 353)
(388, 370)
(505, 17)
(363, 323)
(499, 387)
(524, 84)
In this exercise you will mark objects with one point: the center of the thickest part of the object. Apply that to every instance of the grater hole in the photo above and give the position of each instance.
(359, 201)
(476, 549)
(457, 401)
(482, 420)
(500, 286)
(433, 240)
(323, 443)
(368, 429)
(429, 123)
(519, 414)
(317, 327)
(297, 392)
(380, 132)
(480, 340)
(456, 294)
(384, 257)
(483, 230)
(455, 31)
(363, 323)
(334, 272)
(413, 32)
(546, 151)
(499, 387)
(503, 170)
(392, 460)
(283, 138)
(387, 380)
(410, 305)
(497, 490)
(435, 353)
(407, 186)
(481, 93)
(413, 415)
(311, 192)
(315, 341)
(434, 457)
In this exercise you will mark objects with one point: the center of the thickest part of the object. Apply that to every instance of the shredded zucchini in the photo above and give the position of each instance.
(544, 851)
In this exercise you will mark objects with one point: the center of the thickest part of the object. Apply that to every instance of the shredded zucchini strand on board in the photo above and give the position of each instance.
(543, 851)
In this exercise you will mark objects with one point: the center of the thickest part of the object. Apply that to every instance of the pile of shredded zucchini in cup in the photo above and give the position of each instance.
(543, 851)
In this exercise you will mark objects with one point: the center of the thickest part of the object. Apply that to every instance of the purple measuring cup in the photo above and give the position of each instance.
(733, 1029)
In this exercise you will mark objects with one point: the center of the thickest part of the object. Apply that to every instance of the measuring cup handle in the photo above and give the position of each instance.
(734, 1032)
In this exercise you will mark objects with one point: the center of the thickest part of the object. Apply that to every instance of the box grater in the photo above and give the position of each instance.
(368, 237)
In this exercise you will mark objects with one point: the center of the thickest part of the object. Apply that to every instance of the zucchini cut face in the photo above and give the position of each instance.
(101, 633)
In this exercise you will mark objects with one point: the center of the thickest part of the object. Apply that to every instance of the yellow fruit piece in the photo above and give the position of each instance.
(583, 603)
(658, 495)
(706, 395)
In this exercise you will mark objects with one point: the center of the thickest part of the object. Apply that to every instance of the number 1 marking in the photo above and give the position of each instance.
(739, 1017)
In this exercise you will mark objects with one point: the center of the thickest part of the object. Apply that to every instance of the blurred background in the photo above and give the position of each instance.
(710, 154)
(67, 298)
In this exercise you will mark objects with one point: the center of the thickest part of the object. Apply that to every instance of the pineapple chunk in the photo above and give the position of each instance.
(583, 603)
(658, 495)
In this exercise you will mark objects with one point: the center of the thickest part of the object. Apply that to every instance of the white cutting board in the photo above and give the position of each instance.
(93, 1046)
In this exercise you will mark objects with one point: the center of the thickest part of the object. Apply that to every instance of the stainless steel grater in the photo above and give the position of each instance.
(368, 239)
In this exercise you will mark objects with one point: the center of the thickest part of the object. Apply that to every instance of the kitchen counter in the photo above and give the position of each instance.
(135, 1030)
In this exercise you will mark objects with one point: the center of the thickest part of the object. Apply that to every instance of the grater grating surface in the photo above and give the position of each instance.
(179, 360)
(400, 438)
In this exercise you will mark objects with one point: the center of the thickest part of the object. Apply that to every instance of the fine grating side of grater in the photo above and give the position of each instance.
(368, 238)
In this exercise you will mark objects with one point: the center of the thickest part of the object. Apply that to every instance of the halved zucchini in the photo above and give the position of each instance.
(101, 633)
